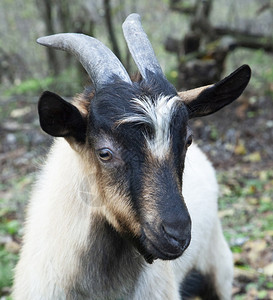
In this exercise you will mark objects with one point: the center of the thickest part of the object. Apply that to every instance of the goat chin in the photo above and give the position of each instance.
(64, 240)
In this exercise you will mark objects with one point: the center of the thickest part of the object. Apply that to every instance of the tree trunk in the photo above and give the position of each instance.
(45, 8)
(110, 28)
(65, 19)
(202, 52)
(247, 40)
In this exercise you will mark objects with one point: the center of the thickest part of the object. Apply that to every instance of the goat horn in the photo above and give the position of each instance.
(101, 64)
(140, 46)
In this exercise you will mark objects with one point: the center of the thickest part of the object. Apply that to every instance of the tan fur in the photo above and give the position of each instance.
(188, 96)
(150, 189)
(116, 205)
(123, 217)
(82, 104)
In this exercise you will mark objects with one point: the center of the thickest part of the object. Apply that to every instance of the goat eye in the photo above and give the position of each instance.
(189, 141)
(105, 154)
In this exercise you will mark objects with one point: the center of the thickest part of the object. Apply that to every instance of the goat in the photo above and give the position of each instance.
(125, 207)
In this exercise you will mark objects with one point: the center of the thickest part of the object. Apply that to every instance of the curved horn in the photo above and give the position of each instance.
(140, 46)
(101, 64)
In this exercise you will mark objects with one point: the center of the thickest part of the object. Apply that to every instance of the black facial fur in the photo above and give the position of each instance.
(113, 103)
(179, 132)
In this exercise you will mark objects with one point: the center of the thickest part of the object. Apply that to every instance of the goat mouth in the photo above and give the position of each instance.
(161, 246)
(152, 250)
(164, 254)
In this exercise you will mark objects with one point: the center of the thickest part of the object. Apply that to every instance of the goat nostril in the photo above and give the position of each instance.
(174, 236)
(171, 232)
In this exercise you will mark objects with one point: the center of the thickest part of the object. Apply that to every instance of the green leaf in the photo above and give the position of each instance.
(13, 227)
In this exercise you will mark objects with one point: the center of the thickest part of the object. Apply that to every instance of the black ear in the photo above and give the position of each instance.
(222, 93)
(60, 118)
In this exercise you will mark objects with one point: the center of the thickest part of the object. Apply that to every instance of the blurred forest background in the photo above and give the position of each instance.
(197, 43)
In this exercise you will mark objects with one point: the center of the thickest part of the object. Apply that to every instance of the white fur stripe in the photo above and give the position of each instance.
(158, 114)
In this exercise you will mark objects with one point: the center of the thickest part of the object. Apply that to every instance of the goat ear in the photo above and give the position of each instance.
(209, 99)
(60, 118)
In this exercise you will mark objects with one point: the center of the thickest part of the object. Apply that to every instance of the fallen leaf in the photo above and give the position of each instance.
(20, 112)
(12, 247)
(240, 149)
(237, 259)
(245, 275)
(269, 233)
(226, 213)
(252, 294)
(265, 199)
(268, 270)
(235, 290)
(253, 157)
(257, 245)
(254, 252)
(241, 111)
(252, 201)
